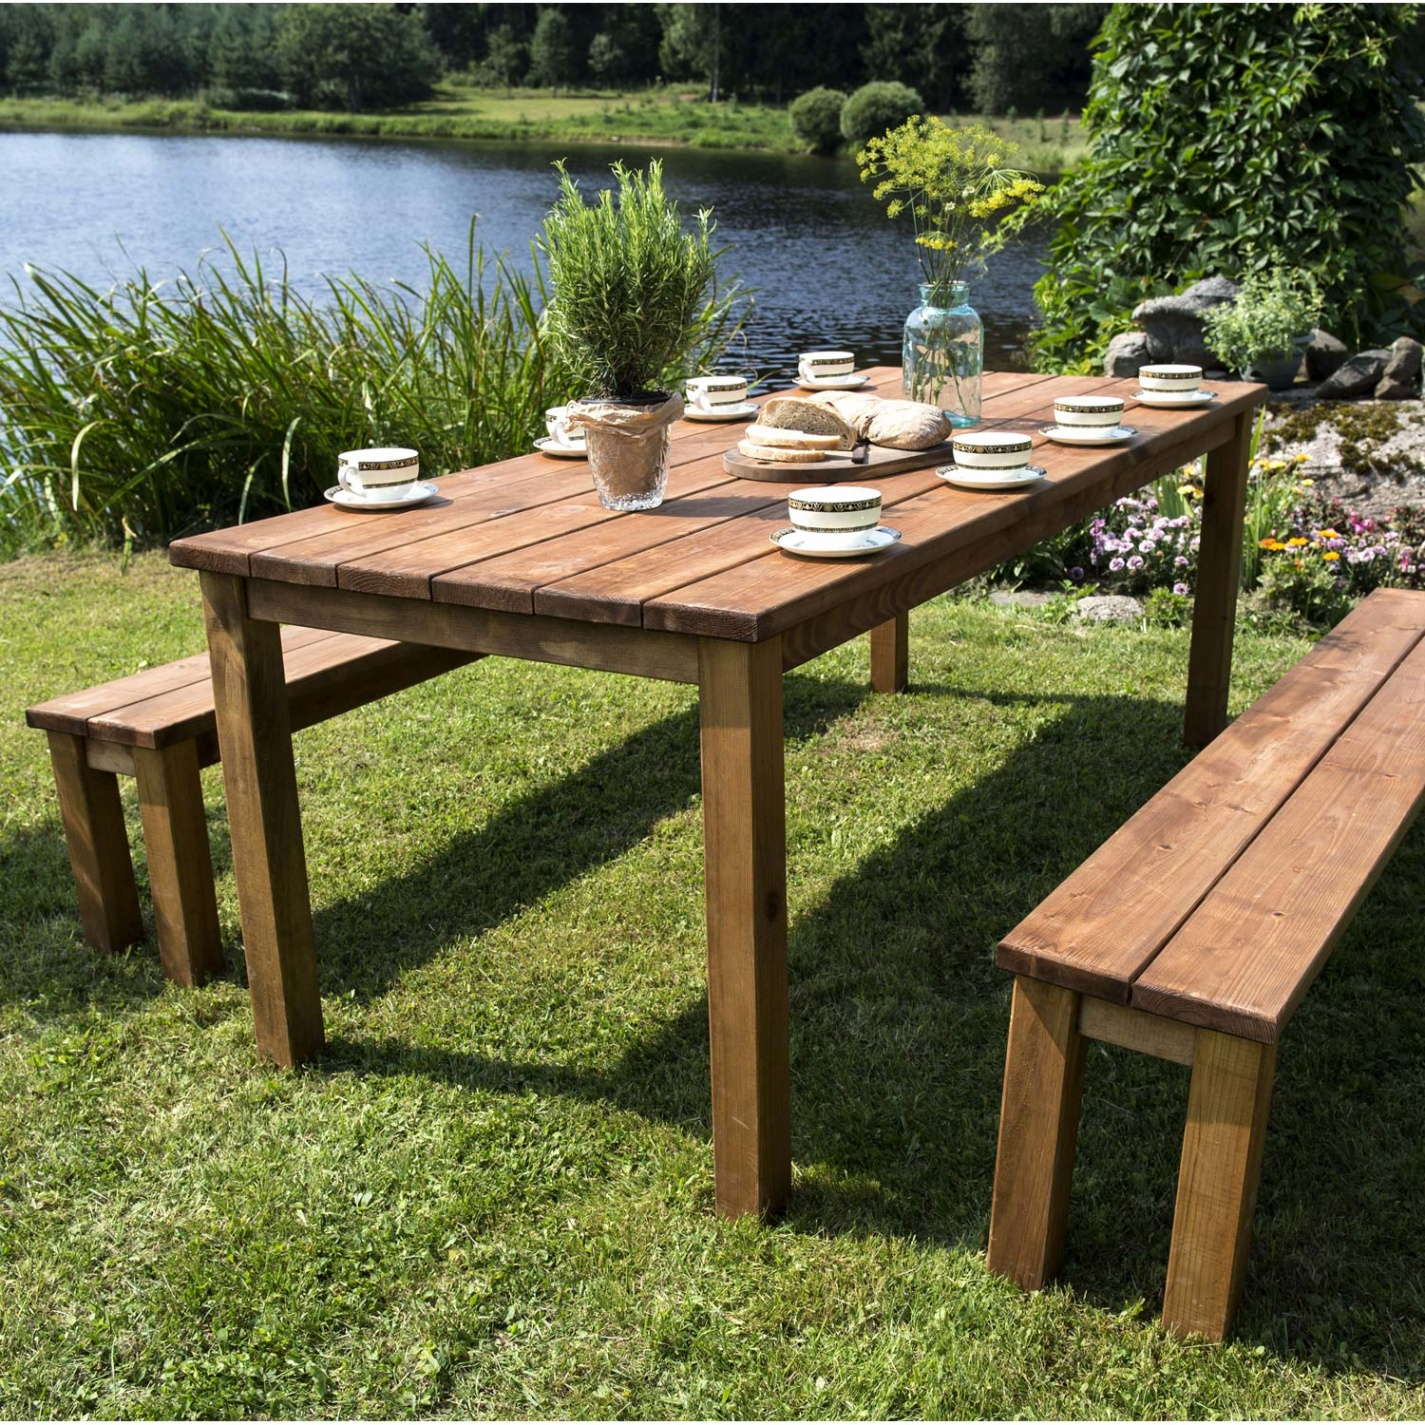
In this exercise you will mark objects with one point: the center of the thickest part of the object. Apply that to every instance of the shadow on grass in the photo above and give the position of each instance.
(898, 1021)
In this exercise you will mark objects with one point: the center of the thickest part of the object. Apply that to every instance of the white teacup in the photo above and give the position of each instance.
(1170, 378)
(556, 422)
(992, 450)
(717, 393)
(1088, 411)
(826, 365)
(380, 473)
(837, 515)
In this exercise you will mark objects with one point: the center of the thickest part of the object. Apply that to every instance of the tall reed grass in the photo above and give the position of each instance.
(154, 409)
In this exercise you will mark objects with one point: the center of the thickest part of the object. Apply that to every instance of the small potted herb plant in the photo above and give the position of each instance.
(1261, 334)
(630, 287)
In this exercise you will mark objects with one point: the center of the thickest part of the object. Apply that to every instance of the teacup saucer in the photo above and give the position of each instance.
(1088, 435)
(991, 479)
(739, 412)
(547, 445)
(350, 500)
(799, 541)
(1168, 400)
(831, 383)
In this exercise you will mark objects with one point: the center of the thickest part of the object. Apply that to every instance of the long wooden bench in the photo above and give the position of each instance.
(158, 726)
(1194, 933)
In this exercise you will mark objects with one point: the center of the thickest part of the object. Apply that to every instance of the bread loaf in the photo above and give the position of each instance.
(900, 425)
(793, 413)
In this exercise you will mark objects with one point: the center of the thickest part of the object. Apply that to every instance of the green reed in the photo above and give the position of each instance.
(153, 409)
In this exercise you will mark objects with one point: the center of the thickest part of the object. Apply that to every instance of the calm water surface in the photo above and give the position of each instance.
(828, 268)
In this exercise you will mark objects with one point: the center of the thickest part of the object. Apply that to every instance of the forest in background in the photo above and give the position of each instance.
(991, 59)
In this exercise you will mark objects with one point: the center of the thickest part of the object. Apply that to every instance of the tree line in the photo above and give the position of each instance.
(987, 58)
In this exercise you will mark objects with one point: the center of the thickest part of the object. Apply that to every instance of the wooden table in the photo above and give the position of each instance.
(520, 559)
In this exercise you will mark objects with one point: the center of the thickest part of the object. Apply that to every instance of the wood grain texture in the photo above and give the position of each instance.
(180, 867)
(1219, 572)
(1038, 1129)
(890, 655)
(269, 862)
(98, 846)
(542, 640)
(740, 707)
(1246, 958)
(1217, 1183)
(1103, 925)
(1132, 1029)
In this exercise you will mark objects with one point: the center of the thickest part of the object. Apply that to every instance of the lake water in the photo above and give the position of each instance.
(828, 268)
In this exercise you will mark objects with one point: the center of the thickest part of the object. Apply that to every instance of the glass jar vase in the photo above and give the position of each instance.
(944, 352)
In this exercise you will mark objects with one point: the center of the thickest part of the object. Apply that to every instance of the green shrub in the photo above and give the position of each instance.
(876, 108)
(1272, 310)
(1228, 139)
(816, 119)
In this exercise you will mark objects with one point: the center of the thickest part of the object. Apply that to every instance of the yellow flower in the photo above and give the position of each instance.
(1297, 542)
(1330, 555)
(1270, 544)
(1327, 534)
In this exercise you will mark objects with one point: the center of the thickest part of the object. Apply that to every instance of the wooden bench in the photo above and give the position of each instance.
(158, 726)
(1194, 933)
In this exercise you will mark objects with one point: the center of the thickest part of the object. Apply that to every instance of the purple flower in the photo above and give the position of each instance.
(1135, 563)
(1077, 574)
(1115, 564)
(1180, 561)
(1180, 588)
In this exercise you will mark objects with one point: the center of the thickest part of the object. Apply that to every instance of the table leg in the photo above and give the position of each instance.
(890, 655)
(255, 741)
(744, 829)
(1219, 571)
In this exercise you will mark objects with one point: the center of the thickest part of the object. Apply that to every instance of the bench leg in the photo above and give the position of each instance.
(745, 871)
(98, 846)
(1217, 1182)
(260, 777)
(890, 655)
(1038, 1127)
(180, 866)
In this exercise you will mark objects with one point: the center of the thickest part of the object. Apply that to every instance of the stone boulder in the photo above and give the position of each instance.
(1400, 381)
(1325, 355)
(1126, 353)
(1173, 325)
(1108, 608)
(1355, 378)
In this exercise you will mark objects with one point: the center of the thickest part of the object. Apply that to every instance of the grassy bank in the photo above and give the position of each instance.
(463, 112)
(492, 1197)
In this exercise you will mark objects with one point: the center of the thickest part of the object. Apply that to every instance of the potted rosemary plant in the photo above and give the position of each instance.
(630, 288)
(955, 185)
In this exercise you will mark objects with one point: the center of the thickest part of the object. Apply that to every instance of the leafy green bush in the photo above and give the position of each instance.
(1272, 310)
(876, 108)
(816, 119)
(1230, 139)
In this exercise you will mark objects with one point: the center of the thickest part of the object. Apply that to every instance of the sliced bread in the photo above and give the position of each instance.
(794, 439)
(792, 413)
(779, 454)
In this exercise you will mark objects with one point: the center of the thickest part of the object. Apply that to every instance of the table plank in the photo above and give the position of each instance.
(1100, 929)
(1253, 948)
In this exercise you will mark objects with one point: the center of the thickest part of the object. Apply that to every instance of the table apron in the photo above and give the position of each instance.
(609, 648)
(964, 557)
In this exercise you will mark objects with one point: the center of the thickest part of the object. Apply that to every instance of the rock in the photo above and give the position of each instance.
(1126, 353)
(1173, 325)
(1401, 378)
(1108, 608)
(1325, 355)
(1021, 598)
(1355, 378)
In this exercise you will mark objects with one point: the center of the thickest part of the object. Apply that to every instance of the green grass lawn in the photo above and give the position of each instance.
(493, 1195)
(460, 110)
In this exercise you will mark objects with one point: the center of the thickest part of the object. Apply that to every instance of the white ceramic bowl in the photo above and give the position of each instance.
(1170, 378)
(826, 365)
(835, 509)
(1088, 411)
(992, 450)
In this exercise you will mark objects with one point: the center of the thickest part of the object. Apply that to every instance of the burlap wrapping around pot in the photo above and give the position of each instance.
(628, 445)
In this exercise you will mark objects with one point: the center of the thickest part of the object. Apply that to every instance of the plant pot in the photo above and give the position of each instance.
(628, 446)
(1278, 371)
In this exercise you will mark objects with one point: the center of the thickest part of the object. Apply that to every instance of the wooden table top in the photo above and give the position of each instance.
(528, 535)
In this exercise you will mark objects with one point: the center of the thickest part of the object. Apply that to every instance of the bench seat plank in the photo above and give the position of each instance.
(73, 712)
(1245, 960)
(1103, 926)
